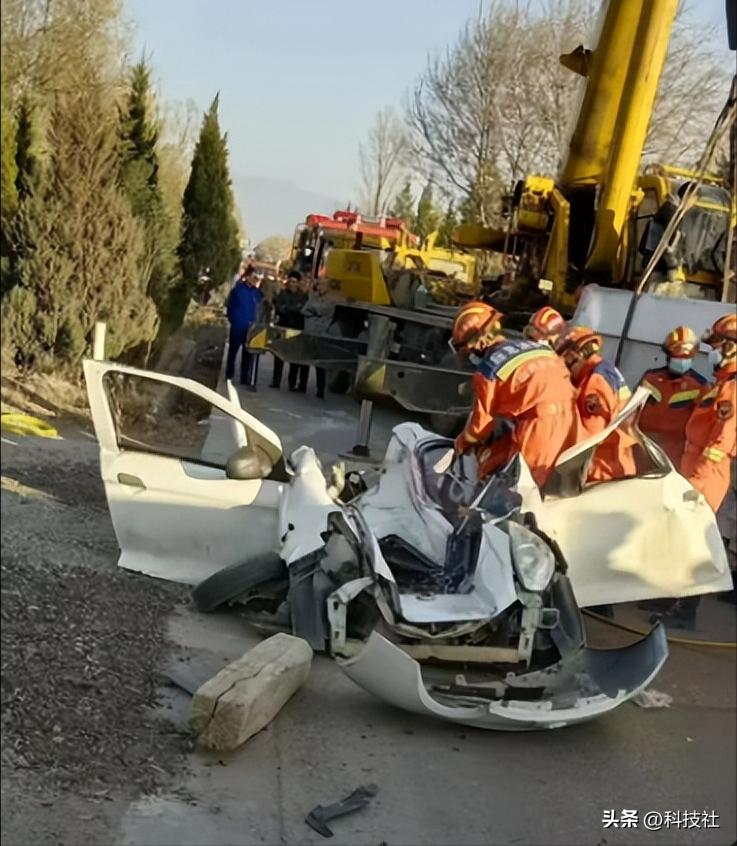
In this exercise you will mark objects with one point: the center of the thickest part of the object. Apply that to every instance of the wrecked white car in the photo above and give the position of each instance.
(436, 593)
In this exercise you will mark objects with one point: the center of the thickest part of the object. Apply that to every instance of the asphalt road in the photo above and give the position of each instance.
(438, 783)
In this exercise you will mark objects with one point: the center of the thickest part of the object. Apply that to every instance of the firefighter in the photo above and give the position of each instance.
(710, 442)
(673, 391)
(602, 393)
(710, 431)
(545, 326)
(520, 382)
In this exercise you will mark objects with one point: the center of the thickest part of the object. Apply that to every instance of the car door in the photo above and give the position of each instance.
(636, 538)
(164, 444)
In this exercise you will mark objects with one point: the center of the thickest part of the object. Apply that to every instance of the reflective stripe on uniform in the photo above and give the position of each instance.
(507, 369)
(656, 395)
(714, 454)
(683, 397)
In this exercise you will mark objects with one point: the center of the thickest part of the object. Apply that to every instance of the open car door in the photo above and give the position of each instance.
(164, 446)
(636, 538)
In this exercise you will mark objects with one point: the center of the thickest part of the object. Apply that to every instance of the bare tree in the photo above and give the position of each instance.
(273, 248)
(381, 160)
(498, 104)
(693, 88)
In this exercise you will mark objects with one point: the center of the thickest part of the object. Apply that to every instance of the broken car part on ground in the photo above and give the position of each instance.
(435, 592)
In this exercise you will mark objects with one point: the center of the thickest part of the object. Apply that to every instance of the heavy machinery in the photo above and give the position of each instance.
(601, 219)
(382, 277)
(344, 230)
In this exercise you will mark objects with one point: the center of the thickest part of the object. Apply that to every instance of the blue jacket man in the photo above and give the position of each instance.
(243, 305)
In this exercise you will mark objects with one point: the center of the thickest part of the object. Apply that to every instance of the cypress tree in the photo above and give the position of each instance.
(25, 153)
(79, 247)
(428, 217)
(447, 225)
(139, 169)
(209, 251)
(8, 194)
(403, 205)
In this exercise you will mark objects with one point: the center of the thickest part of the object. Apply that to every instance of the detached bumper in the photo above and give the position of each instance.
(583, 686)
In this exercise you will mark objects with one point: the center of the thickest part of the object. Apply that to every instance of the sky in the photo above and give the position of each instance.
(300, 83)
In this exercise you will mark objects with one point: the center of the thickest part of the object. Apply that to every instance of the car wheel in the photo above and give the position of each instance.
(229, 583)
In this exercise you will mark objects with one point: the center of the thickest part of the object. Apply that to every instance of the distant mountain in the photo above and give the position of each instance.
(275, 207)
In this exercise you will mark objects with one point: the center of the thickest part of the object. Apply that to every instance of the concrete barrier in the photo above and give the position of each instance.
(245, 696)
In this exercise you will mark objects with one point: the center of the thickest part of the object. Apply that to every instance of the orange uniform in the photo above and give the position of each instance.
(672, 399)
(527, 385)
(711, 437)
(602, 393)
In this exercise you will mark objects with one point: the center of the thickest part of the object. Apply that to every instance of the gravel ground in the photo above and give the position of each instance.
(82, 644)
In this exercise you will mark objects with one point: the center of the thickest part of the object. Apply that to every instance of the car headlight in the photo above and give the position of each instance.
(532, 557)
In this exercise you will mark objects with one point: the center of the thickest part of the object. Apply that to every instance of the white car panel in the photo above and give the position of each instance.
(175, 519)
(636, 539)
(387, 672)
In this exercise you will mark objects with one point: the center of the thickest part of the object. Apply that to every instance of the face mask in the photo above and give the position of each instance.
(679, 365)
(715, 357)
(475, 359)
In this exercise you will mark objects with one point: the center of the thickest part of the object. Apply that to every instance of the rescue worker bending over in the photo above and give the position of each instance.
(545, 326)
(602, 393)
(710, 431)
(523, 383)
(673, 391)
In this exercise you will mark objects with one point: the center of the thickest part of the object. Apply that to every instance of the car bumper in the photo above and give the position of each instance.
(582, 686)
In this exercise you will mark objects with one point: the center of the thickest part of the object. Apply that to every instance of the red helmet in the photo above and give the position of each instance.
(545, 323)
(725, 329)
(580, 340)
(473, 320)
(681, 342)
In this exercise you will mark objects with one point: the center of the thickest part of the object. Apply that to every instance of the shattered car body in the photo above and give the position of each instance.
(436, 593)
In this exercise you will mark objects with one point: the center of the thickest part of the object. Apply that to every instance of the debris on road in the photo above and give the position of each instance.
(318, 817)
(245, 696)
(653, 699)
(25, 424)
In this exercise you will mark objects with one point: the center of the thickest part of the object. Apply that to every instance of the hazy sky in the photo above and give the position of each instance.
(300, 81)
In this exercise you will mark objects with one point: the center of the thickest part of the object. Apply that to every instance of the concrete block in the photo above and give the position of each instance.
(245, 696)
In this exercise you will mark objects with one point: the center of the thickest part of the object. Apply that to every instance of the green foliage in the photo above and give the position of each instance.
(447, 225)
(427, 218)
(8, 195)
(403, 205)
(9, 172)
(79, 247)
(26, 157)
(139, 176)
(139, 137)
(209, 246)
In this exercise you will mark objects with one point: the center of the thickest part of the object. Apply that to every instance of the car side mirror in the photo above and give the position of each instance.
(248, 462)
